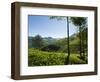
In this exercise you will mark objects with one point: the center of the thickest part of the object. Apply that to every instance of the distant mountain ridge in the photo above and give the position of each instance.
(48, 40)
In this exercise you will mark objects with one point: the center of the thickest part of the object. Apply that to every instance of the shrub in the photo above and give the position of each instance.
(75, 60)
(51, 47)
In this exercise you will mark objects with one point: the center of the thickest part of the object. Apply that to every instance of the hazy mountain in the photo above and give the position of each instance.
(50, 40)
(30, 41)
(47, 40)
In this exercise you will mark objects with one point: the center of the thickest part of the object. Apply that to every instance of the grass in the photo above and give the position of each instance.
(43, 58)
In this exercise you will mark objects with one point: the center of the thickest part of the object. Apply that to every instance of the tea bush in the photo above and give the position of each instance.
(43, 58)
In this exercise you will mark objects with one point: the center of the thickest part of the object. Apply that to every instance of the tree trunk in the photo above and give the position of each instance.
(80, 41)
(87, 43)
(83, 47)
(67, 60)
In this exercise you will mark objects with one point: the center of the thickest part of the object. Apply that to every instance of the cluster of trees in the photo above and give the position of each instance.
(81, 24)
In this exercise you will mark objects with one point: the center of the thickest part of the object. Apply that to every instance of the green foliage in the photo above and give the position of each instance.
(79, 21)
(74, 59)
(58, 17)
(42, 58)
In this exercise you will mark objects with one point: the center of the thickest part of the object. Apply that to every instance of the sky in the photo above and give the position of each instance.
(46, 27)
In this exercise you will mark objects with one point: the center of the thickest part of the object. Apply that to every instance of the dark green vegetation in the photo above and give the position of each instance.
(45, 51)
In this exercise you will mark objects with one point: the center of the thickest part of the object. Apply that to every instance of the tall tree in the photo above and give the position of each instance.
(81, 23)
(67, 62)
